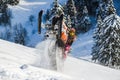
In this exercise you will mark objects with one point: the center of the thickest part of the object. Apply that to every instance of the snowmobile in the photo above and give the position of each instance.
(53, 34)
(58, 50)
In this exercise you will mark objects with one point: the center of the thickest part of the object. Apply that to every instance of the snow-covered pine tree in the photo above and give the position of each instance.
(68, 21)
(3, 4)
(96, 36)
(22, 35)
(7, 34)
(79, 6)
(105, 8)
(70, 10)
(83, 23)
(13, 2)
(107, 48)
(47, 15)
(92, 5)
(54, 13)
(31, 19)
(19, 34)
(57, 9)
(5, 17)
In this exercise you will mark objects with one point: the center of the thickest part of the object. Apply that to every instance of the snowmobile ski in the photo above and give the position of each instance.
(39, 21)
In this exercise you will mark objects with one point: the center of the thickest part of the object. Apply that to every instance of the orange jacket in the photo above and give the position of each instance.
(64, 35)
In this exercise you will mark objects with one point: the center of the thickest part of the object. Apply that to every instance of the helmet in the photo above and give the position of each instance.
(72, 30)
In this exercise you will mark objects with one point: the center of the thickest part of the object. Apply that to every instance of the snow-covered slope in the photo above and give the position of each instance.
(17, 63)
(14, 53)
(82, 46)
(84, 70)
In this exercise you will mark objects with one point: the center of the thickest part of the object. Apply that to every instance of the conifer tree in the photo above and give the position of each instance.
(83, 23)
(91, 5)
(6, 17)
(19, 34)
(57, 9)
(8, 34)
(68, 21)
(31, 19)
(70, 10)
(79, 6)
(105, 8)
(107, 48)
(13, 2)
(5, 12)
(95, 48)
(47, 15)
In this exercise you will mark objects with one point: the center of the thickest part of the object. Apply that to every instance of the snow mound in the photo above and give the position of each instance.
(16, 61)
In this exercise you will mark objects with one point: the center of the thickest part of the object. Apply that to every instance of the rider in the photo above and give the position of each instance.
(70, 40)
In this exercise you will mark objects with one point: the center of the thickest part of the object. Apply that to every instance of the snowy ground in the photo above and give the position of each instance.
(84, 70)
(17, 63)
